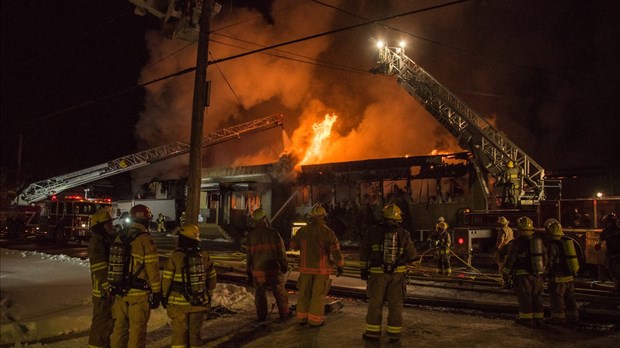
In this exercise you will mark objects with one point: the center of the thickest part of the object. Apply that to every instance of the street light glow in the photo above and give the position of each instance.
(402, 44)
(380, 44)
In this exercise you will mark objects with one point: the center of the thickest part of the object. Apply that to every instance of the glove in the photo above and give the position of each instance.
(250, 278)
(339, 271)
(364, 273)
(597, 246)
(155, 299)
(164, 302)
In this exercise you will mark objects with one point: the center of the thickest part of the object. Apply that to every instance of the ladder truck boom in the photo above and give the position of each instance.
(490, 148)
(40, 190)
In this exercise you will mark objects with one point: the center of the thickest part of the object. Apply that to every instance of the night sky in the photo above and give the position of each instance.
(542, 72)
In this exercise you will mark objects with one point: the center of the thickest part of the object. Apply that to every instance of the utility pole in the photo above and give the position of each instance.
(198, 110)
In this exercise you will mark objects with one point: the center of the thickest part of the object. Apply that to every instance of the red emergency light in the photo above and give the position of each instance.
(461, 241)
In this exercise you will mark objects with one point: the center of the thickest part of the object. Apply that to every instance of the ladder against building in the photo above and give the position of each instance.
(491, 149)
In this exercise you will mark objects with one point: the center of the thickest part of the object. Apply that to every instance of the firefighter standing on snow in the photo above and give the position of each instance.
(563, 265)
(316, 243)
(98, 252)
(136, 281)
(441, 241)
(525, 264)
(188, 283)
(385, 249)
(266, 265)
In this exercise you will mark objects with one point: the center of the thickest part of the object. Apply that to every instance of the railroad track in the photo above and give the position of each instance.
(463, 291)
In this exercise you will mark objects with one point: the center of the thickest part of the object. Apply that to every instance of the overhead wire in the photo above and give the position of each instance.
(466, 51)
(240, 55)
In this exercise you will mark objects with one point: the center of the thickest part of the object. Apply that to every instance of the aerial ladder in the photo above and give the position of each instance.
(43, 189)
(491, 149)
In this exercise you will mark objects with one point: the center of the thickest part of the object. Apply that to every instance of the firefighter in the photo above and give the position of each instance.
(512, 184)
(504, 236)
(611, 237)
(188, 282)
(385, 249)
(102, 231)
(316, 243)
(441, 241)
(563, 265)
(182, 219)
(131, 310)
(161, 223)
(525, 265)
(266, 265)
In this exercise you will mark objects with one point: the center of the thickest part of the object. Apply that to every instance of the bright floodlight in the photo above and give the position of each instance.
(402, 44)
(380, 44)
(599, 194)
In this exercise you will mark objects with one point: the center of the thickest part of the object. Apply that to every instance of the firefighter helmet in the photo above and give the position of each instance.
(503, 221)
(392, 212)
(140, 213)
(190, 231)
(258, 214)
(317, 210)
(610, 220)
(510, 164)
(442, 226)
(553, 227)
(524, 223)
(441, 219)
(101, 216)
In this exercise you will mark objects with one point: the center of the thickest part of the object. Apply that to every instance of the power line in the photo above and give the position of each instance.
(266, 48)
(462, 50)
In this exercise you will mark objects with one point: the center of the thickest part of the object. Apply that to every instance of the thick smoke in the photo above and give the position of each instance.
(463, 46)
(376, 118)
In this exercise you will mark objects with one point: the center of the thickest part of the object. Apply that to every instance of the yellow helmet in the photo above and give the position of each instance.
(190, 231)
(392, 212)
(317, 210)
(524, 223)
(441, 219)
(554, 227)
(442, 226)
(503, 221)
(258, 214)
(510, 164)
(101, 216)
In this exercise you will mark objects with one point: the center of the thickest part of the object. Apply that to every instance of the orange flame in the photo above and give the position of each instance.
(322, 131)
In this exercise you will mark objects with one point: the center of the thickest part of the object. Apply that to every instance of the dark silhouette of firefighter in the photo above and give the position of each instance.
(317, 244)
(441, 241)
(611, 237)
(267, 265)
(161, 223)
(102, 231)
(504, 236)
(563, 266)
(188, 282)
(525, 265)
(384, 252)
(133, 274)
(511, 181)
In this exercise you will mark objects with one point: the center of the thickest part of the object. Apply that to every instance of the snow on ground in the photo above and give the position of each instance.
(45, 295)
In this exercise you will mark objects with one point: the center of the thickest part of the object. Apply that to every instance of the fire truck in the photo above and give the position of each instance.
(20, 221)
(492, 152)
(66, 218)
